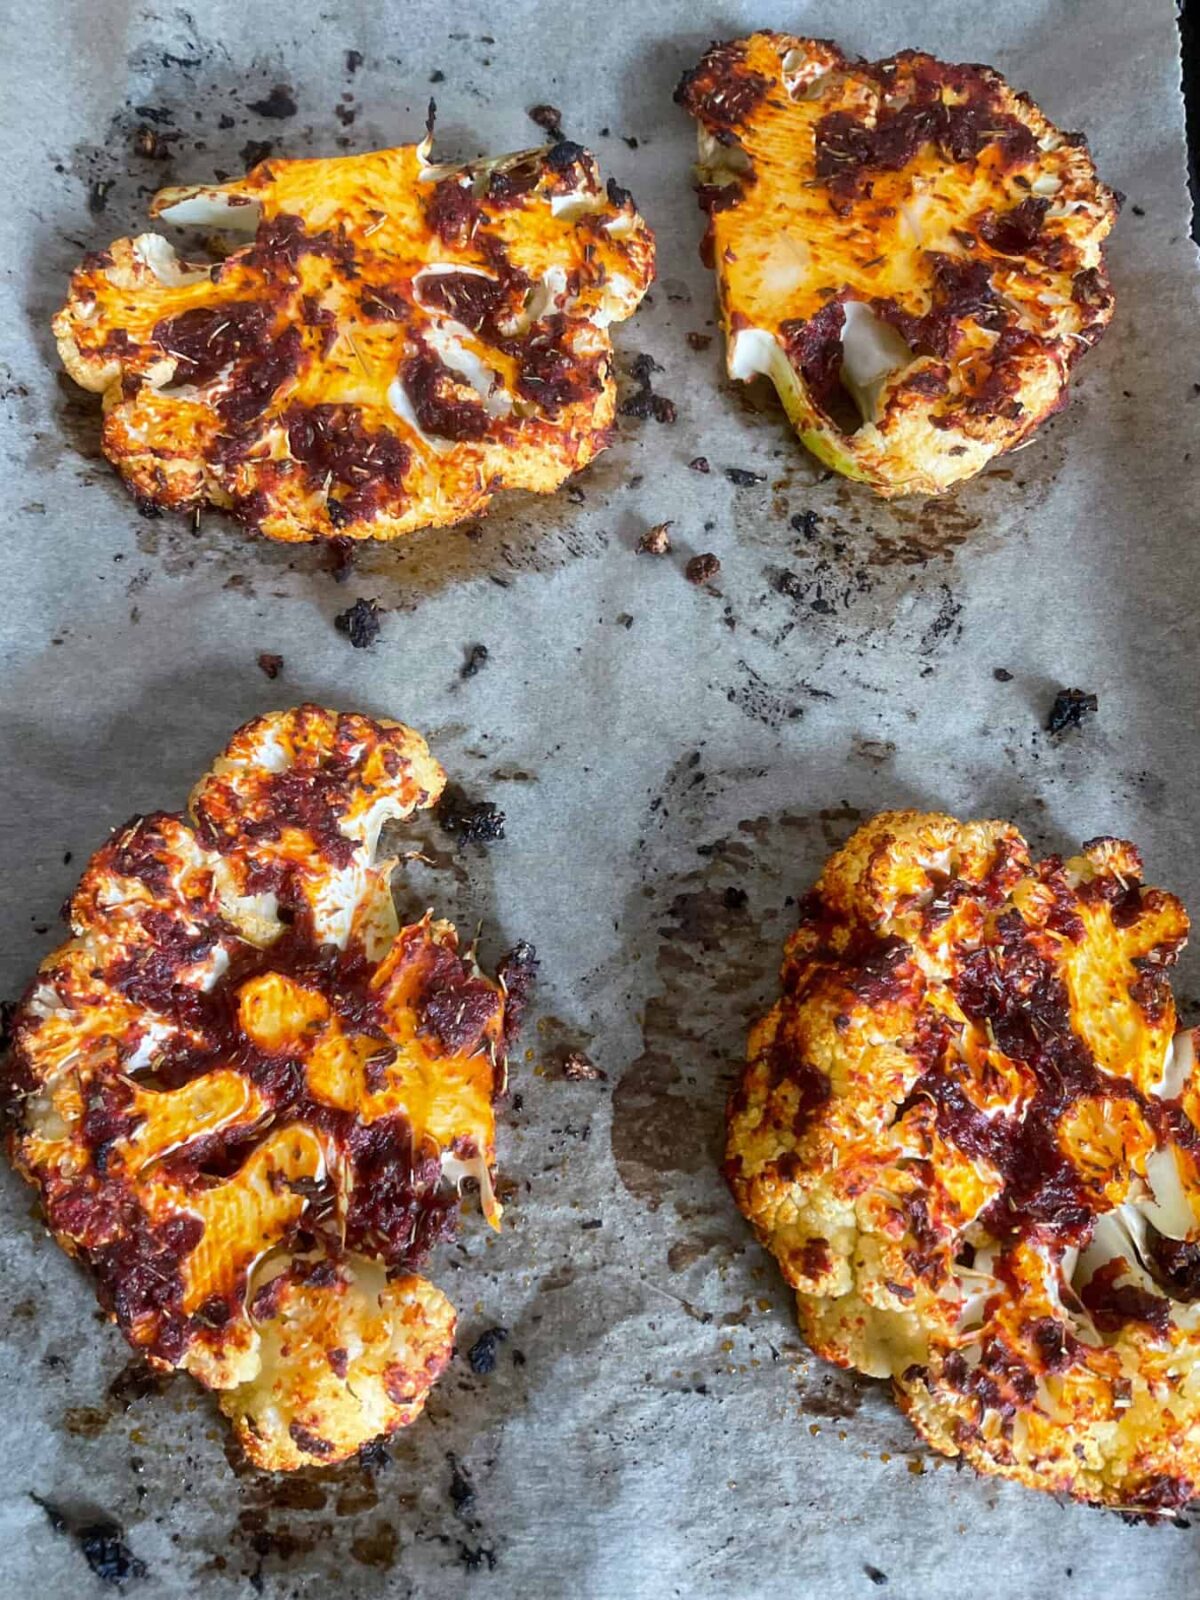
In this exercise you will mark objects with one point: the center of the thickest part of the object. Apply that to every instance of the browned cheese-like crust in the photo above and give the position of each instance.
(968, 1132)
(247, 1097)
(389, 343)
(909, 250)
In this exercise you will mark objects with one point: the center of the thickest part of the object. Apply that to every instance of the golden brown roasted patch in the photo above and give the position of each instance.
(970, 1135)
(909, 250)
(247, 1097)
(389, 344)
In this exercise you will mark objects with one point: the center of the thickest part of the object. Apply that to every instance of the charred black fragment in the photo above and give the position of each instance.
(564, 155)
(517, 973)
(1070, 709)
(277, 106)
(360, 623)
(549, 118)
(474, 821)
(101, 1543)
(703, 568)
(617, 196)
(462, 1490)
(254, 151)
(481, 1357)
(644, 402)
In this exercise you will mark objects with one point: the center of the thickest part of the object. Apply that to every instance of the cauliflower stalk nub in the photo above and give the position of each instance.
(909, 251)
(386, 343)
(970, 1134)
(248, 1098)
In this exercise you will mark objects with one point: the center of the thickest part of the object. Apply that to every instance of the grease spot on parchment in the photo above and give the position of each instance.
(718, 944)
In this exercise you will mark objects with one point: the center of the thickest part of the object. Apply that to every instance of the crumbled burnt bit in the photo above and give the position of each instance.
(699, 341)
(146, 508)
(277, 106)
(743, 478)
(98, 195)
(151, 143)
(254, 151)
(374, 1455)
(437, 76)
(481, 1357)
(341, 558)
(699, 464)
(579, 1068)
(565, 155)
(102, 1544)
(474, 821)
(702, 569)
(354, 60)
(1002, 675)
(477, 659)
(360, 623)
(656, 541)
(476, 1560)
(873, 1573)
(644, 402)
(549, 118)
(1071, 708)
(462, 1490)
(517, 973)
(807, 524)
(270, 665)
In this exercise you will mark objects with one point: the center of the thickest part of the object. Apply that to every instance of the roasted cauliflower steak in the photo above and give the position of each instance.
(969, 1131)
(247, 1097)
(388, 343)
(908, 250)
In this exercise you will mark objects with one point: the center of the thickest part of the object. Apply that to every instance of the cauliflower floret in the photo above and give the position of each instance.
(345, 1355)
(909, 251)
(389, 343)
(969, 1137)
(248, 1097)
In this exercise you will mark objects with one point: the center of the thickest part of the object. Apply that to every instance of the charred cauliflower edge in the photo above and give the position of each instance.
(386, 344)
(969, 1132)
(248, 1098)
(910, 252)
